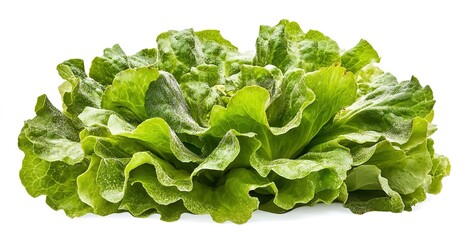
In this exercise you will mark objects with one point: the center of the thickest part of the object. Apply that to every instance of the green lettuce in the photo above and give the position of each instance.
(195, 126)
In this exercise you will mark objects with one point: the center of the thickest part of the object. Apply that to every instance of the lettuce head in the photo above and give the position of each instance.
(195, 126)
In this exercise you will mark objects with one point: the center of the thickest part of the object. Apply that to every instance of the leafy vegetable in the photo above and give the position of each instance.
(197, 127)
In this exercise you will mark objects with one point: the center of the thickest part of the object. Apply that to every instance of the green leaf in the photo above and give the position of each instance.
(371, 77)
(140, 204)
(114, 60)
(294, 97)
(88, 189)
(218, 160)
(164, 99)
(228, 202)
(246, 112)
(104, 118)
(182, 50)
(126, 95)
(51, 136)
(405, 172)
(215, 48)
(249, 116)
(179, 51)
(298, 180)
(110, 179)
(369, 191)
(359, 56)
(268, 77)
(386, 111)
(286, 46)
(157, 136)
(78, 91)
(276, 45)
(56, 180)
(439, 170)
(199, 89)
(334, 89)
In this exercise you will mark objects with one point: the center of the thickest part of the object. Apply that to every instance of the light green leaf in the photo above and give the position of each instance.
(105, 118)
(249, 116)
(359, 56)
(126, 95)
(371, 77)
(157, 136)
(294, 96)
(246, 112)
(56, 180)
(268, 77)
(334, 89)
(369, 191)
(168, 175)
(88, 189)
(110, 178)
(140, 204)
(439, 170)
(298, 180)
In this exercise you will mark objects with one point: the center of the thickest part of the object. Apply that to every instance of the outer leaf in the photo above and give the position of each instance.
(359, 56)
(440, 169)
(156, 135)
(88, 189)
(56, 180)
(228, 202)
(406, 173)
(168, 175)
(79, 91)
(300, 179)
(387, 111)
(370, 191)
(51, 136)
(110, 180)
(371, 77)
(140, 204)
(104, 118)
(115, 153)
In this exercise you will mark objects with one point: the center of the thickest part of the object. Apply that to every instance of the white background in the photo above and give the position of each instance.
(424, 38)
